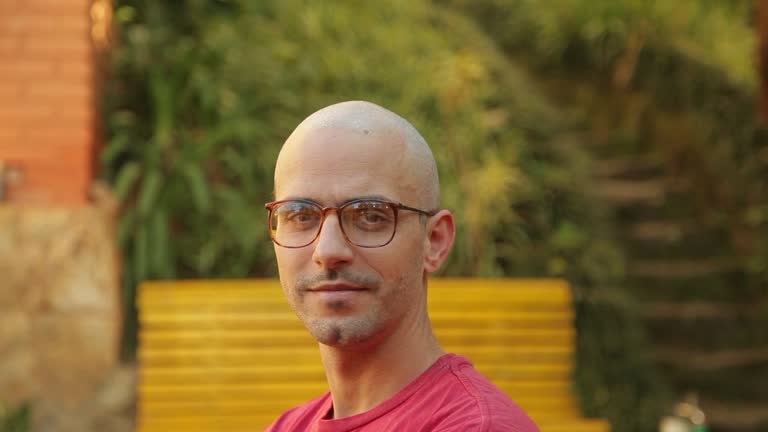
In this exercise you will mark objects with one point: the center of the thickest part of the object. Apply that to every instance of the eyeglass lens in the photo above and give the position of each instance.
(367, 223)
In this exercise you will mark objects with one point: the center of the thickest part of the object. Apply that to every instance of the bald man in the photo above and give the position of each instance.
(357, 229)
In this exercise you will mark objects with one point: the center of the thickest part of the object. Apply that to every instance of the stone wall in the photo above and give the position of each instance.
(59, 270)
(60, 308)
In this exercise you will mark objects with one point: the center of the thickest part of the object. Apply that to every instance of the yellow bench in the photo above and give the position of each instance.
(231, 355)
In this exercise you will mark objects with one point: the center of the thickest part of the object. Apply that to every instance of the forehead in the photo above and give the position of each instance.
(333, 165)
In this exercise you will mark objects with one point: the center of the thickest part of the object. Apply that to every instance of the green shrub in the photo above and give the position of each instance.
(202, 97)
(17, 419)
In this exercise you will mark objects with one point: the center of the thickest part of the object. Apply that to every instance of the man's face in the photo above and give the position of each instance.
(343, 293)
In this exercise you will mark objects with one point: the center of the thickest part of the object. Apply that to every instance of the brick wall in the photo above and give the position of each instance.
(60, 309)
(47, 101)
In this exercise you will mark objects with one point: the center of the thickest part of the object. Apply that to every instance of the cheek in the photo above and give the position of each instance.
(289, 262)
(404, 255)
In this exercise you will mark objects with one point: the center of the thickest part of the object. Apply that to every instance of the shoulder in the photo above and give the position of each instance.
(477, 404)
(302, 416)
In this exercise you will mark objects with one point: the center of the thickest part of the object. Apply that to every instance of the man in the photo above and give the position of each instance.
(357, 228)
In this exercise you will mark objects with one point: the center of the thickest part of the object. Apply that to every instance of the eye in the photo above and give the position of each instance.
(305, 215)
(370, 216)
(297, 216)
(301, 216)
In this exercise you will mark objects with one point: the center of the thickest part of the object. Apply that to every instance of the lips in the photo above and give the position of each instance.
(336, 287)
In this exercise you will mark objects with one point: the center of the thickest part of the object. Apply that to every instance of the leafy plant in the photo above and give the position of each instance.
(18, 419)
(201, 100)
(667, 88)
(516, 98)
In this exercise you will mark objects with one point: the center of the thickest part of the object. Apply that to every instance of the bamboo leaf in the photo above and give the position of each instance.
(126, 228)
(160, 264)
(198, 186)
(16, 420)
(118, 145)
(149, 192)
(206, 257)
(163, 102)
(126, 179)
(140, 252)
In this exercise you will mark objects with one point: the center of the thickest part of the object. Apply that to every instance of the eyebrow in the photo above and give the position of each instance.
(362, 197)
(371, 197)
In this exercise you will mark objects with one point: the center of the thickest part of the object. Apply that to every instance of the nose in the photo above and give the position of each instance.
(332, 250)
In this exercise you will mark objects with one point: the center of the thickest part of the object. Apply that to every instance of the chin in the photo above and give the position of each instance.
(342, 332)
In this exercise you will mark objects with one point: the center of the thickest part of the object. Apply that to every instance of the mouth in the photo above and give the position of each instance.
(336, 287)
(336, 297)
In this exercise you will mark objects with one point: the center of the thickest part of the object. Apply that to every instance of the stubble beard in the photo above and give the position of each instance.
(340, 332)
(350, 330)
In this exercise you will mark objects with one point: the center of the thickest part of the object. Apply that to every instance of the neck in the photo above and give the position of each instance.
(362, 377)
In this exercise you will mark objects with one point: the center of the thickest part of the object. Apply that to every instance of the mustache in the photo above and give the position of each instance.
(305, 282)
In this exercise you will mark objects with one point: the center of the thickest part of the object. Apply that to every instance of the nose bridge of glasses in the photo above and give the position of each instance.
(331, 239)
(326, 211)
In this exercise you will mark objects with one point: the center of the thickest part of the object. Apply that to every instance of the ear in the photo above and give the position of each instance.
(441, 232)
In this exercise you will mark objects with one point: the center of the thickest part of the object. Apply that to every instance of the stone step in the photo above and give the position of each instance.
(735, 415)
(710, 334)
(673, 242)
(683, 268)
(626, 168)
(701, 360)
(731, 386)
(676, 207)
(631, 192)
(669, 231)
(729, 401)
(702, 310)
(762, 155)
(724, 286)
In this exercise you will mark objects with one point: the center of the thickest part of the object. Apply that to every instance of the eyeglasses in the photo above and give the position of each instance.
(368, 223)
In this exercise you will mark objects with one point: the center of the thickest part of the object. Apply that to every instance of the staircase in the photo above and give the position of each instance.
(706, 316)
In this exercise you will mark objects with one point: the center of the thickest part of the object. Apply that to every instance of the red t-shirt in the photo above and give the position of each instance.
(450, 396)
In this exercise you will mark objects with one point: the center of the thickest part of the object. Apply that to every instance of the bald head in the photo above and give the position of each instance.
(382, 139)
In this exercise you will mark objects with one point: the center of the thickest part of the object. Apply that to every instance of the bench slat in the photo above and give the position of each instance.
(497, 336)
(213, 353)
(247, 390)
(225, 406)
(297, 372)
(463, 313)
(210, 356)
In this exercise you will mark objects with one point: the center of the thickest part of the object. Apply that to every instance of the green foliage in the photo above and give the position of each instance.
(614, 377)
(673, 83)
(15, 419)
(202, 96)
(201, 103)
(673, 79)
(591, 35)
(202, 100)
(175, 151)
